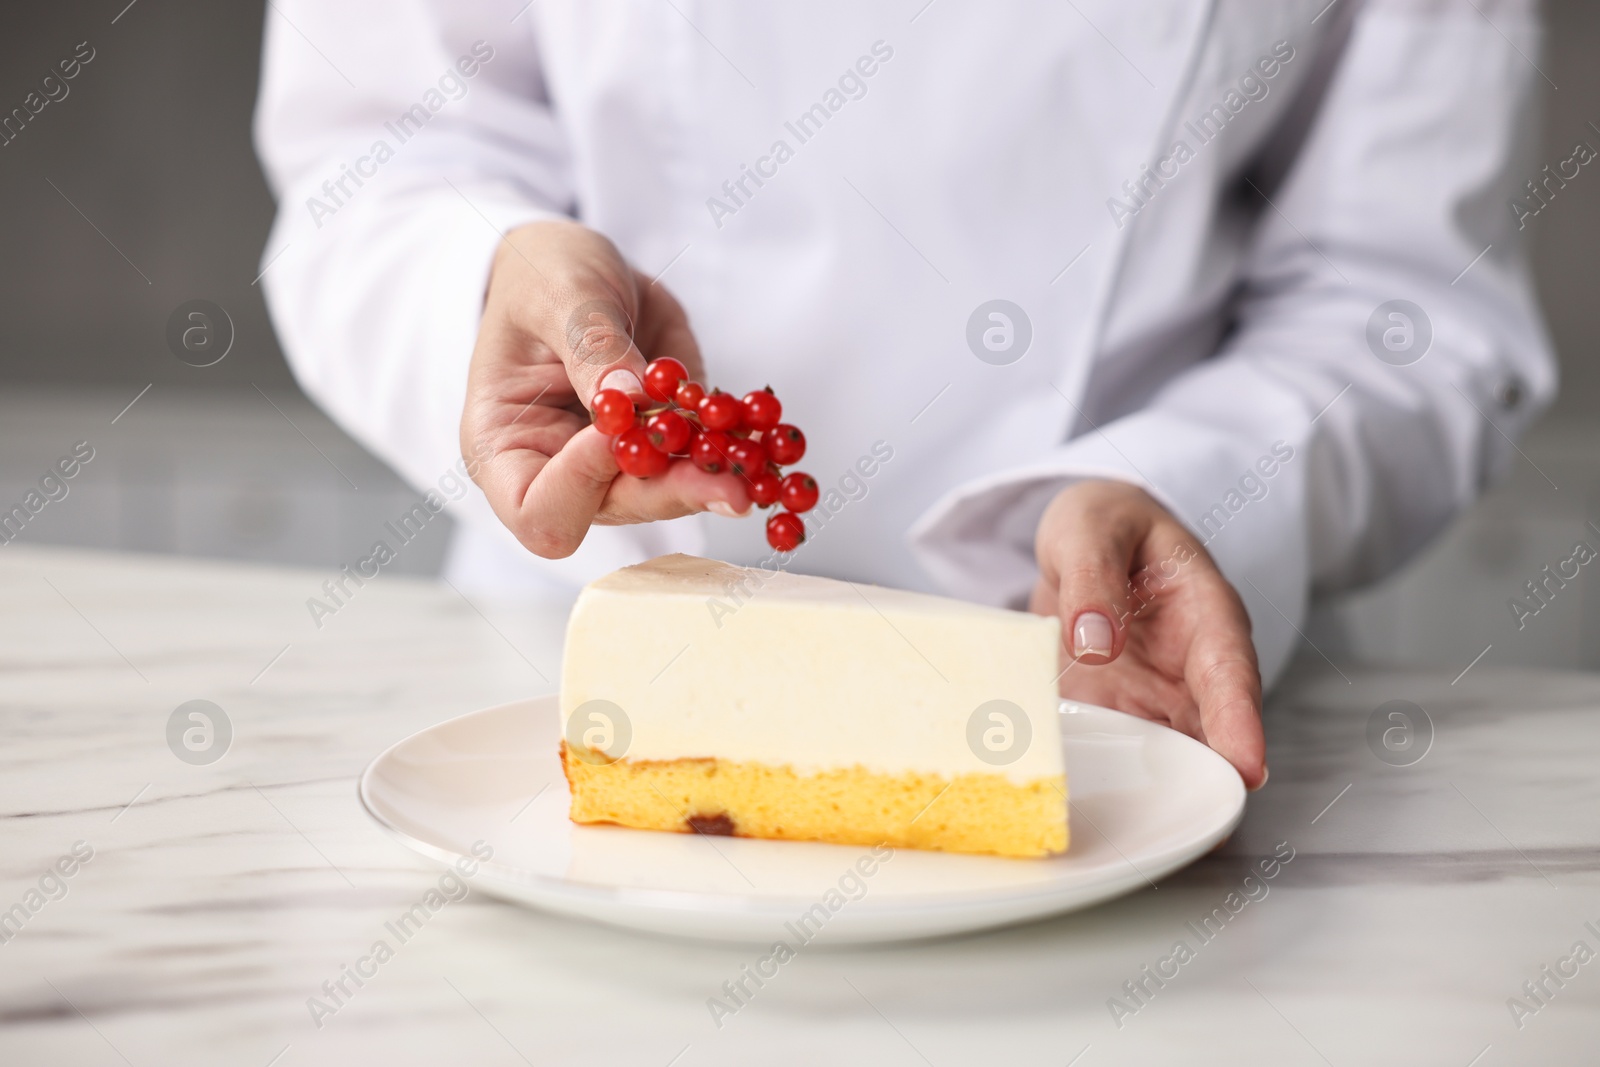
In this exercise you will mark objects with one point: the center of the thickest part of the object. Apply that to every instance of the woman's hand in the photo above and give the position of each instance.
(1151, 626)
(564, 317)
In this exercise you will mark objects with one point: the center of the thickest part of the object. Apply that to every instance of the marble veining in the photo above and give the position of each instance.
(220, 897)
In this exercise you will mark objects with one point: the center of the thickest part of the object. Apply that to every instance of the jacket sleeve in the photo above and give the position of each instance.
(1327, 440)
(399, 158)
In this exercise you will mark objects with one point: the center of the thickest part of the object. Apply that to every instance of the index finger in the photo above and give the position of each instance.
(550, 501)
(1223, 676)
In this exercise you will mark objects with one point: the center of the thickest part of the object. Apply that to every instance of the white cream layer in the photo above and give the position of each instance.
(707, 659)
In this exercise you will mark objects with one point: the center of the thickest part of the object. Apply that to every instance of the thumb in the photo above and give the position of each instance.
(597, 346)
(1088, 559)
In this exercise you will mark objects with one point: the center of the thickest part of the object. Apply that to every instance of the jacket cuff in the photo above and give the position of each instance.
(978, 540)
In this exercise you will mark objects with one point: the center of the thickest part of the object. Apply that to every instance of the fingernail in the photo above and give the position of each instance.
(1091, 634)
(723, 508)
(624, 380)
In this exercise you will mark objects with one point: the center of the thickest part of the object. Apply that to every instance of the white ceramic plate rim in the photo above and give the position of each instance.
(1153, 866)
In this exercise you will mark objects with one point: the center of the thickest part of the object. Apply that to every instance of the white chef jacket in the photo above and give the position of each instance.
(1188, 319)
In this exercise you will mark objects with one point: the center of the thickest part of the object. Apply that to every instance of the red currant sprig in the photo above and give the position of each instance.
(762, 410)
(637, 454)
(785, 531)
(717, 432)
(661, 378)
(613, 412)
(670, 432)
(719, 411)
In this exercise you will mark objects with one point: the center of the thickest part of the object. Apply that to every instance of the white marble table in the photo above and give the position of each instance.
(220, 897)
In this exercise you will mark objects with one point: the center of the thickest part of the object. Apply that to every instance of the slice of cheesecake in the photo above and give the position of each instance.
(700, 696)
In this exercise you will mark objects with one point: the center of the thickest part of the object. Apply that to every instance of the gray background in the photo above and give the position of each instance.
(153, 145)
(167, 204)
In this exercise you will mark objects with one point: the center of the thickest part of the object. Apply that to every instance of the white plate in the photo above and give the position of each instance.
(1146, 800)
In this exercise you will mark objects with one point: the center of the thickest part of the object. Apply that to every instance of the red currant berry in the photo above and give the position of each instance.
(613, 412)
(689, 395)
(785, 531)
(637, 456)
(785, 443)
(661, 378)
(720, 411)
(764, 489)
(709, 451)
(746, 457)
(669, 432)
(762, 410)
(799, 492)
